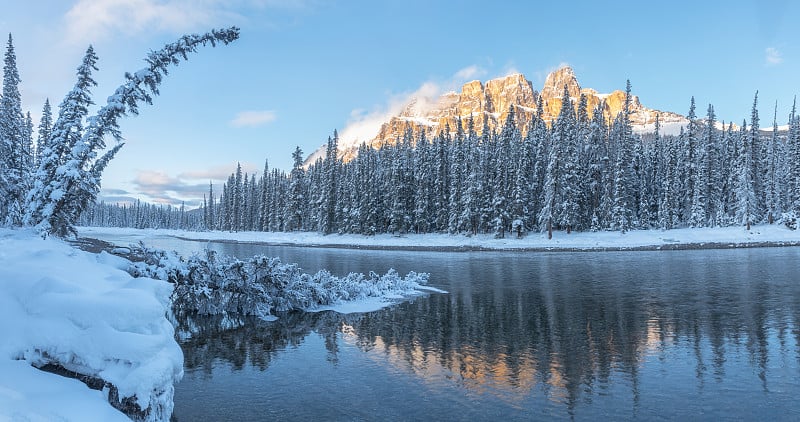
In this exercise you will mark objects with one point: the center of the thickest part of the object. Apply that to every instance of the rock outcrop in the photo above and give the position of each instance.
(493, 100)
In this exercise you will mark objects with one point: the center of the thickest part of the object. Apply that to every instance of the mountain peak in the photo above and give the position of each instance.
(555, 81)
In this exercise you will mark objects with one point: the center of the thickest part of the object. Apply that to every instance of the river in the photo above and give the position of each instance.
(675, 335)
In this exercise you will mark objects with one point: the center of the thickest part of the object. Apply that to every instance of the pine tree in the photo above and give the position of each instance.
(744, 189)
(456, 178)
(597, 167)
(771, 186)
(699, 178)
(211, 224)
(331, 184)
(45, 129)
(65, 134)
(470, 216)
(568, 186)
(501, 157)
(263, 220)
(621, 211)
(755, 146)
(794, 159)
(297, 194)
(12, 143)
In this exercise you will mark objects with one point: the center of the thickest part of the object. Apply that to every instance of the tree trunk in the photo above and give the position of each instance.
(549, 230)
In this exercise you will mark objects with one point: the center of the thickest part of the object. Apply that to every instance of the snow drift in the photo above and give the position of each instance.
(81, 312)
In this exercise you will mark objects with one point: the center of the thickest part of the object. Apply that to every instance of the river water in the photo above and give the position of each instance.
(674, 335)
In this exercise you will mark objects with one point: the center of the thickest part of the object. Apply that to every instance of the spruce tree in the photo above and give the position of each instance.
(297, 197)
(65, 134)
(331, 184)
(12, 143)
(772, 172)
(566, 150)
(622, 207)
(45, 129)
(699, 178)
(794, 159)
(744, 189)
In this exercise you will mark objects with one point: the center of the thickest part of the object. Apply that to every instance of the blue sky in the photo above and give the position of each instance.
(305, 67)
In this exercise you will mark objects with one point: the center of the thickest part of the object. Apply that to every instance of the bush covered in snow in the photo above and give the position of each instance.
(209, 284)
(789, 219)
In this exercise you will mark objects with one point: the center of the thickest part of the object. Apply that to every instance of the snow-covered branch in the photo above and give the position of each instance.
(209, 284)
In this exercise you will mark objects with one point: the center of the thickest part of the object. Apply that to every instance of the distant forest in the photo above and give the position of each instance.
(578, 173)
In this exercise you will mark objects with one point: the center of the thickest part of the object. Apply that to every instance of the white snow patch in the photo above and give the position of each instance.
(79, 310)
(666, 128)
(561, 240)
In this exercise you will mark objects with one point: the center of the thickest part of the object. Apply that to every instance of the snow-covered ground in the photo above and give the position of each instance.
(677, 238)
(81, 311)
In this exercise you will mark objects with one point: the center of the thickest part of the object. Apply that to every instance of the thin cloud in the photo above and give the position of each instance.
(189, 187)
(161, 188)
(253, 118)
(90, 20)
(773, 56)
(364, 125)
(470, 73)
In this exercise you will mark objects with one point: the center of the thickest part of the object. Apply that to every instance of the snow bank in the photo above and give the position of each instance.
(676, 238)
(210, 285)
(80, 311)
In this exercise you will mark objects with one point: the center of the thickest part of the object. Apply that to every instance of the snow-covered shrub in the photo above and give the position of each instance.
(789, 219)
(518, 227)
(208, 284)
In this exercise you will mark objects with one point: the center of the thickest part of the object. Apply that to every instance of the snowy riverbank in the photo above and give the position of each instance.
(83, 315)
(80, 313)
(698, 238)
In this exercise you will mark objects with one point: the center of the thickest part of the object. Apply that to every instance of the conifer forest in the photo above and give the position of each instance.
(579, 172)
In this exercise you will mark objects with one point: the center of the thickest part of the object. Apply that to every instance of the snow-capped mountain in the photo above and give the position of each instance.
(492, 101)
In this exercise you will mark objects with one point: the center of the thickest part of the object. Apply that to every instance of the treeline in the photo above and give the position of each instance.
(142, 215)
(578, 173)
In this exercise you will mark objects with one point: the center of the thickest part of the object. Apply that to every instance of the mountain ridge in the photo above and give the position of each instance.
(492, 101)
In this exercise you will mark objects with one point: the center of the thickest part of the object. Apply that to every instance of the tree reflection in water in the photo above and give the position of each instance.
(564, 331)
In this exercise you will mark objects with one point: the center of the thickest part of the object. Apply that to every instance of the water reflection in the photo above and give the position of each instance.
(571, 328)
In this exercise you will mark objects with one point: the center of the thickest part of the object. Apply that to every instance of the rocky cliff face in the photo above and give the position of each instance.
(492, 101)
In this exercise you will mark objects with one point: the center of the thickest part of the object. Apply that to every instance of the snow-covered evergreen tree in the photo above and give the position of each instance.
(772, 196)
(793, 140)
(622, 215)
(43, 135)
(297, 199)
(13, 151)
(744, 189)
(569, 192)
(331, 163)
(65, 134)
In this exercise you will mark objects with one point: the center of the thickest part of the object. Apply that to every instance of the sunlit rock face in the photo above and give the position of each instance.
(491, 101)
